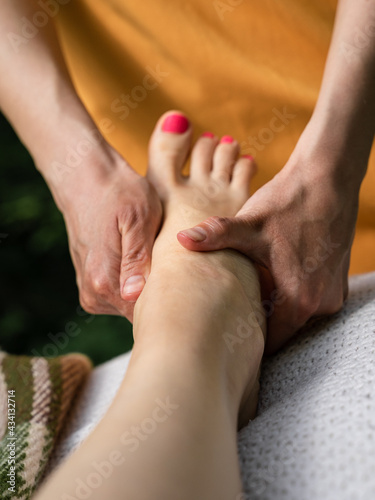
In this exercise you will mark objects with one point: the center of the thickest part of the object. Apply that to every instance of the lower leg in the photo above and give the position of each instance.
(171, 431)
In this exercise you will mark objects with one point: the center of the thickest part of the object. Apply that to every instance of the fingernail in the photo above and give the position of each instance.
(226, 138)
(134, 284)
(208, 134)
(175, 124)
(197, 234)
(249, 157)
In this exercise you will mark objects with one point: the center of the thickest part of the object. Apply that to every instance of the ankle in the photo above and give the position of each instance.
(179, 367)
(202, 369)
(215, 353)
(199, 289)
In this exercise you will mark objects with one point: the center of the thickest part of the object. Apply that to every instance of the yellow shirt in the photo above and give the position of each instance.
(248, 68)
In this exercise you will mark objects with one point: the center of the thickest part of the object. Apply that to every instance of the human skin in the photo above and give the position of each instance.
(299, 227)
(313, 220)
(111, 213)
(190, 305)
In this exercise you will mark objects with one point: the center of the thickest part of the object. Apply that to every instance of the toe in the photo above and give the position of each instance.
(168, 149)
(202, 156)
(243, 171)
(225, 157)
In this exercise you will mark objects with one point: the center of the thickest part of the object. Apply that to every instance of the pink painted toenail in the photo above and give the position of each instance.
(208, 134)
(226, 138)
(175, 124)
(249, 157)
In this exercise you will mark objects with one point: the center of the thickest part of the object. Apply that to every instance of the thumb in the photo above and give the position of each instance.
(135, 267)
(215, 233)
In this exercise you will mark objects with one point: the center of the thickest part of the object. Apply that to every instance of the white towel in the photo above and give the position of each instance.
(314, 437)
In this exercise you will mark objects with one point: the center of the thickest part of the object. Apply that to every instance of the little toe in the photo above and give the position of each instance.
(168, 149)
(202, 156)
(225, 156)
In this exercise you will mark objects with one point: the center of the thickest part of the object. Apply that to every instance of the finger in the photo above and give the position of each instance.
(290, 305)
(93, 304)
(99, 286)
(137, 243)
(279, 326)
(241, 233)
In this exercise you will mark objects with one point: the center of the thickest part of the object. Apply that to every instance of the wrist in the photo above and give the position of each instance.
(60, 132)
(79, 166)
(330, 155)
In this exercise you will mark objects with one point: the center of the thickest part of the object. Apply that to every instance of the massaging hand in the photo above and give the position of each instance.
(299, 229)
(112, 216)
(111, 213)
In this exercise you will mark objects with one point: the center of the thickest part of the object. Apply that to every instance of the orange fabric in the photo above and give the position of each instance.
(232, 69)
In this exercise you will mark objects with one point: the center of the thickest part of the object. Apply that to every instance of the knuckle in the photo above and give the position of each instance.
(312, 304)
(218, 224)
(134, 216)
(141, 217)
(88, 303)
(302, 316)
(256, 223)
(96, 283)
(100, 285)
(308, 304)
(335, 304)
(133, 257)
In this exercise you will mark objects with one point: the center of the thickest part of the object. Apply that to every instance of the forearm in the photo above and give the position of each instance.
(343, 122)
(37, 94)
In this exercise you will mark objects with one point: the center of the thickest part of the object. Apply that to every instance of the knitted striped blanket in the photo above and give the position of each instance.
(35, 396)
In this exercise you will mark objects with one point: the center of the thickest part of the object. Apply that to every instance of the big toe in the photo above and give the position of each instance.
(168, 150)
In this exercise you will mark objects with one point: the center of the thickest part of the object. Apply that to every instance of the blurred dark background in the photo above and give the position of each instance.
(39, 306)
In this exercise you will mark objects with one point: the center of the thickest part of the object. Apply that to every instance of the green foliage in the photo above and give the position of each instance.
(38, 294)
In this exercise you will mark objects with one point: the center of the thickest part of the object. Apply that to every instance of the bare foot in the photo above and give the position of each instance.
(220, 289)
